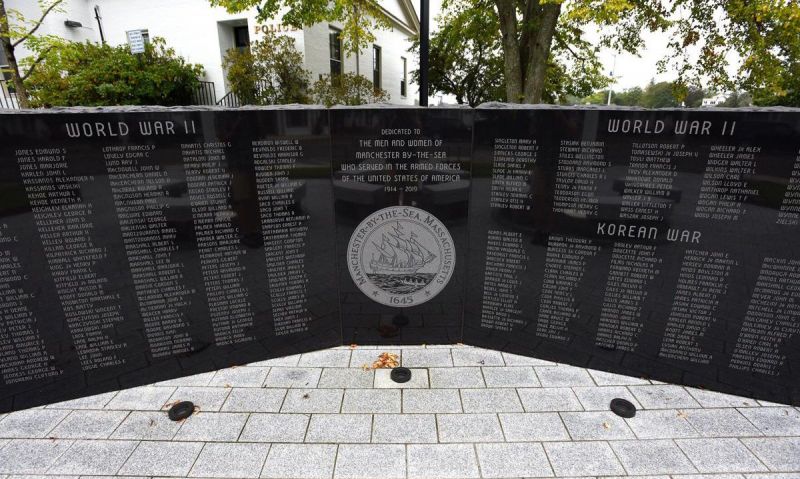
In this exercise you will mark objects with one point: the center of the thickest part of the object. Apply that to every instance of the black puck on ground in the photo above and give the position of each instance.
(623, 408)
(400, 320)
(400, 375)
(181, 411)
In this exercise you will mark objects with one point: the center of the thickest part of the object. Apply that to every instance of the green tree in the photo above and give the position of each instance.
(599, 97)
(242, 75)
(694, 96)
(90, 74)
(270, 72)
(15, 31)
(359, 18)
(654, 95)
(465, 55)
(659, 95)
(533, 32)
(628, 97)
(346, 89)
(765, 33)
(738, 99)
(466, 58)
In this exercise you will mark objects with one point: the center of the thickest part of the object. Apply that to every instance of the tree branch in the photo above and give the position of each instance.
(451, 82)
(568, 47)
(38, 23)
(36, 63)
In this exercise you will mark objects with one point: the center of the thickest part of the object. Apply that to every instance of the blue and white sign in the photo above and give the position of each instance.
(136, 41)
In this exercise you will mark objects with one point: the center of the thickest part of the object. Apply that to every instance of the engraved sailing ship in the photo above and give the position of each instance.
(399, 254)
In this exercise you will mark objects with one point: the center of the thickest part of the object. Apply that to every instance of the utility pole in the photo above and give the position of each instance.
(424, 46)
(99, 23)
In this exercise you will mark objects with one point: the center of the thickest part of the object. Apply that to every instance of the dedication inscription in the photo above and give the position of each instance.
(401, 190)
(651, 243)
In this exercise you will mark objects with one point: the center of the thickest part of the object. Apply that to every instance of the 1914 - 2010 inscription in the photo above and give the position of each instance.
(141, 246)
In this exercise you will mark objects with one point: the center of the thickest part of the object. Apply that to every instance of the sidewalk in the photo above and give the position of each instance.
(466, 413)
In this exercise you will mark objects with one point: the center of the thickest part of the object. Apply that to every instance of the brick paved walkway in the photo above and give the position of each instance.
(467, 413)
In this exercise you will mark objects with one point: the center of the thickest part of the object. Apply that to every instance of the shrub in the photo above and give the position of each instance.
(270, 72)
(90, 74)
(346, 89)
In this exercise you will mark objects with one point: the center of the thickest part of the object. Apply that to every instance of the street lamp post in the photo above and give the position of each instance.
(424, 46)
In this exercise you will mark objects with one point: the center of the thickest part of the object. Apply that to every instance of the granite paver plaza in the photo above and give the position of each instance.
(466, 413)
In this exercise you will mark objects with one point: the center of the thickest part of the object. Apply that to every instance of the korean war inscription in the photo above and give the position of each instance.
(651, 243)
(143, 245)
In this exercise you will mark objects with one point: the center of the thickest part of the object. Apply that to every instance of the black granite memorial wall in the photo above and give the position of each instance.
(138, 246)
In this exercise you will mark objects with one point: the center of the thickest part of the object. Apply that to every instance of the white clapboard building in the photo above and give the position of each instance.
(203, 34)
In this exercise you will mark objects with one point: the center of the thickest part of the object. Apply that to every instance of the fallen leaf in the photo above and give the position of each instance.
(607, 425)
(306, 396)
(227, 385)
(170, 404)
(682, 414)
(353, 346)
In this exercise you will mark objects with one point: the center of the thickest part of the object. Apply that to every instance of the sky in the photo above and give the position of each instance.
(637, 70)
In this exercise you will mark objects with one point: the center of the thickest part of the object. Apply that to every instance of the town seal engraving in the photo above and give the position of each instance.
(401, 256)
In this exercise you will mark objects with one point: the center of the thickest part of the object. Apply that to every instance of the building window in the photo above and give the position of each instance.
(404, 80)
(376, 67)
(241, 37)
(4, 73)
(335, 44)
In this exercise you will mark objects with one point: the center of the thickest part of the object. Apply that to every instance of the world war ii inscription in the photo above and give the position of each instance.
(650, 243)
(137, 247)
